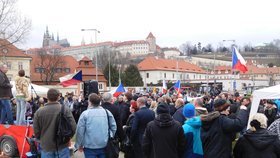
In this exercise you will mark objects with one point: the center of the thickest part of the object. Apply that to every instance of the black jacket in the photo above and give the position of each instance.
(115, 111)
(164, 138)
(5, 87)
(141, 118)
(124, 111)
(178, 115)
(217, 131)
(271, 114)
(260, 144)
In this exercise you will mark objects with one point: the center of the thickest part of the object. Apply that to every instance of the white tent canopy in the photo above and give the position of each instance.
(265, 93)
(40, 90)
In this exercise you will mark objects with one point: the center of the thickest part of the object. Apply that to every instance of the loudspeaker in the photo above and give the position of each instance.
(90, 87)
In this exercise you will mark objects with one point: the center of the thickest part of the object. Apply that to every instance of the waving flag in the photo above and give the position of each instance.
(238, 62)
(119, 90)
(71, 79)
(177, 86)
(164, 87)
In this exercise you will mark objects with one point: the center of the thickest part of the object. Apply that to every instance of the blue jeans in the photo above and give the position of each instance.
(94, 153)
(63, 153)
(6, 111)
(21, 110)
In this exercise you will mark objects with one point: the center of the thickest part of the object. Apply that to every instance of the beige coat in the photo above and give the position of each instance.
(22, 85)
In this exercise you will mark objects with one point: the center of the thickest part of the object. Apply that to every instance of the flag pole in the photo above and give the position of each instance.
(234, 73)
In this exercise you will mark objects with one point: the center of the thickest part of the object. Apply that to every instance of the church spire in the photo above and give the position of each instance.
(47, 31)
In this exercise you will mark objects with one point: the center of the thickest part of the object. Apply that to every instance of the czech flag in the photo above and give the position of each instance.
(177, 86)
(71, 79)
(238, 62)
(118, 91)
(164, 87)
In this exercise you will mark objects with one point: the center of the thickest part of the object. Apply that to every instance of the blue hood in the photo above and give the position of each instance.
(194, 122)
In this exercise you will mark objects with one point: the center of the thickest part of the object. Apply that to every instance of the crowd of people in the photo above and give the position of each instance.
(148, 125)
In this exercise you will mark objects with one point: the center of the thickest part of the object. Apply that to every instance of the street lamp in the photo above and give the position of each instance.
(96, 66)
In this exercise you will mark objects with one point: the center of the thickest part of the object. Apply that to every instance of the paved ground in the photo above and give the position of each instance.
(81, 155)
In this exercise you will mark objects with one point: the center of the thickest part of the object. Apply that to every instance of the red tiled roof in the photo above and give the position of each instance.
(12, 51)
(223, 68)
(264, 70)
(150, 35)
(152, 63)
(70, 62)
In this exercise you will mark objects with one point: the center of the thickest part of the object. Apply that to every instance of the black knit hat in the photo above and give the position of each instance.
(220, 105)
(162, 108)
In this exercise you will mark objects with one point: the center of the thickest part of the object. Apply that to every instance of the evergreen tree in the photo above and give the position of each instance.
(132, 77)
(114, 75)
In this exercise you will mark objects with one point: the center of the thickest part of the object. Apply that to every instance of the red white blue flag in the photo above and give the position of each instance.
(71, 79)
(238, 62)
(177, 86)
(118, 91)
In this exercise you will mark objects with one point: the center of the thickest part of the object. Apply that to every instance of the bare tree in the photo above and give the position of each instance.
(50, 65)
(106, 54)
(13, 26)
(186, 48)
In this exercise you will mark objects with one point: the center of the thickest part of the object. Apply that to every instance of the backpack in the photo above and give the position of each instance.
(64, 130)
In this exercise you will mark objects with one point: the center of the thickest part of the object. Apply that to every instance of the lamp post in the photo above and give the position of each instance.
(96, 65)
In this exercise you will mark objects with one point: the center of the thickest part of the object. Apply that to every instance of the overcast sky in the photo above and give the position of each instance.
(173, 22)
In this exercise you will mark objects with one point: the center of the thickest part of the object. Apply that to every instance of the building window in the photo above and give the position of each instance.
(86, 63)
(100, 86)
(181, 76)
(199, 76)
(164, 75)
(20, 66)
(9, 65)
(187, 76)
(58, 70)
(173, 75)
(37, 70)
(147, 75)
(193, 76)
(67, 70)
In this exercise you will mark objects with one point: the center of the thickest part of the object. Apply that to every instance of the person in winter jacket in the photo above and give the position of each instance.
(192, 133)
(198, 103)
(275, 127)
(5, 96)
(142, 117)
(22, 95)
(164, 137)
(126, 144)
(217, 129)
(270, 111)
(257, 141)
(178, 115)
(124, 107)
